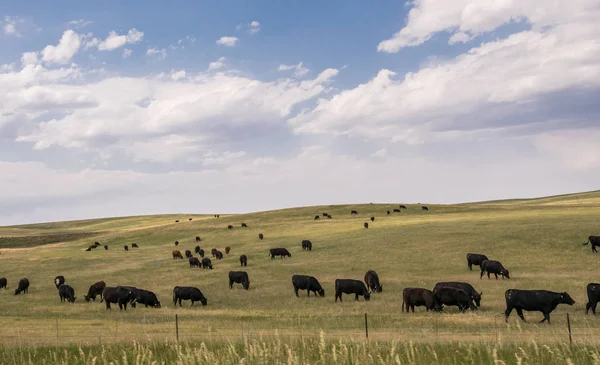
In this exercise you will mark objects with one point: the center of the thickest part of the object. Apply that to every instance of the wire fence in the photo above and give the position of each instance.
(188, 328)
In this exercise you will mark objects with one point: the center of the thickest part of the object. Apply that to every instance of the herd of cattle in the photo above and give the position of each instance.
(459, 294)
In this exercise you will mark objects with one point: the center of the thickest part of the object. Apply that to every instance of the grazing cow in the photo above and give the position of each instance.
(97, 243)
(188, 254)
(402, 206)
(94, 290)
(593, 293)
(279, 252)
(447, 295)
(475, 259)
(230, 226)
(308, 283)
(134, 245)
(372, 281)
(126, 248)
(106, 247)
(213, 252)
(206, 263)
(66, 292)
(595, 241)
(366, 225)
(325, 214)
(244, 225)
(306, 245)
(3, 283)
(493, 267)
(176, 243)
(134, 290)
(198, 239)
(218, 216)
(219, 255)
(534, 300)
(240, 277)
(118, 295)
(201, 253)
(177, 255)
(417, 297)
(89, 248)
(177, 221)
(188, 293)
(353, 212)
(388, 212)
(227, 250)
(147, 298)
(351, 286)
(424, 208)
(194, 262)
(23, 286)
(197, 249)
(317, 217)
(190, 219)
(58, 281)
(372, 219)
(396, 210)
(329, 216)
(243, 260)
(464, 286)
(260, 236)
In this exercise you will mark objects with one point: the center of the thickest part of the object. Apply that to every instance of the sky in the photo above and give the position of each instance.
(143, 107)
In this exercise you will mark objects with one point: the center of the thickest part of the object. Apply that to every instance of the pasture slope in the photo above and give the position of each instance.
(538, 240)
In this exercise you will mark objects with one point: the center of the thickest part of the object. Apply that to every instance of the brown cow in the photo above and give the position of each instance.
(213, 252)
(260, 236)
(177, 255)
(227, 249)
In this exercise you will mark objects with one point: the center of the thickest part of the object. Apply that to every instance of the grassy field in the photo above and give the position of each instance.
(538, 240)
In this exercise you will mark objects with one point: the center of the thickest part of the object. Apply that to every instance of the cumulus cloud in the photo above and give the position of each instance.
(79, 23)
(114, 40)
(299, 69)
(218, 64)
(9, 25)
(253, 27)
(380, 153)
(227, 41)
(67, 47)
(157, 53)
(177, 75)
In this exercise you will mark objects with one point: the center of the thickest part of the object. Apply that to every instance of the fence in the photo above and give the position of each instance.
(418, 328)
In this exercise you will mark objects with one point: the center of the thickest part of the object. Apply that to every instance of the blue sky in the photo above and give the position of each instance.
(118, 108)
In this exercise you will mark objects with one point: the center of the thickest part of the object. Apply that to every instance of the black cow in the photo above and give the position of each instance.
(206, 263)
(366, 225)
(534, 300)
(402, 206)
(475, 259)
(126, 248)
(372, 281)
(388, 212)
(329, 216)
(194, 262)
(325, 214)
(23, 286)
(134, 245)
(106, 247)
(446, 295)
(89, 248)
(351, 286)
(177, 221)
(198, 239)
(218, 216)
(240, 277)
(593, 293)
(372, 219)
(190, 219)
(243, 260)
(176, 243)
(317, 217)
(396, 210)
(260, 236)
(595, 241)
(244, 225)
(96, 243)
(201, 253)
(134, 290)
(118, 295)
(464, 286)
(279, 252)
(58, 281)
(306, 245)
(493, 267)
(230, 226)
(66, 292)
(219, 255)
(197, 249)
(3, 283)
(188, 254)
(424, 208)
(94, 290)
(188, 293)
(147, 298)
(354, 212)
(308, 283)
(417, 297)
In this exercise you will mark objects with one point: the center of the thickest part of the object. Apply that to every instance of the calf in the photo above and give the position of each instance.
(366, 225)
(188, 293)
(260, 236)
(534, 300)
(279, 252)
(219, 255)
(66, 292)
(94, 290)
(593, 293)
(317, 217)
(147, 298)
(23, 286)
(493, 267)
(417, 297)
(198, 239)
(177, 255)
(475, 259)
(372, 281)
(372, 219)
(240, 277)
(445, 295)
(353, 212)
(118, 295)
(351, 286)
(227, 250)
(3, 283)
(58, 281)
(475, 296)
(126, 248)
(134, 245)
(243, 260)
(194, 262)
(308, 283)
(206, 263)
(188, 254)
(595, 241)
(306, 245)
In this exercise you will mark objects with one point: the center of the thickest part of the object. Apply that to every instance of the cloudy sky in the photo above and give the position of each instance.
(111, 108)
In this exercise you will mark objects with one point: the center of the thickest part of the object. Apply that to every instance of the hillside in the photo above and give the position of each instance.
(538, 240)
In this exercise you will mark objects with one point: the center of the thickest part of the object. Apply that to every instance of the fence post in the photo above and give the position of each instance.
(366, 326)
(177, 327)
(569, 327)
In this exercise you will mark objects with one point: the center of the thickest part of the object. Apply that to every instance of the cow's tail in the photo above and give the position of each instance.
(174, 296)
(402, 305)
(588, 241)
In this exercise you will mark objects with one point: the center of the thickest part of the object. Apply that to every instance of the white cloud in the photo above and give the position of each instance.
(127, 52)
(157, 53)
(29, 58)
(114, 40)
(177, 75)
(80, 23)
(468, 19)
(227, 41)
(299, 69)
(67, 47)
(574, 149)
(210, 158)
(253, 27)
(218, 64)
(380, 153)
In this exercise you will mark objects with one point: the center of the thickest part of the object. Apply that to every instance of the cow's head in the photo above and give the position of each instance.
(505, 274)
(289, 254)
(246, 284)
(203, 301)
(157, 305)
(321, 292)
(87, 299)
(72, 300)
(367, 296)
(565, 298)
(379, 289)
(477, 298)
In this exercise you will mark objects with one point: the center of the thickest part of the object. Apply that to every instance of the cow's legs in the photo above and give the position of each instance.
(546, 318)
(488, 275)
(520, 313)
(470, 266)
(413, 308)
(356, 297)
(507, 313)
(481, 274)
(296, 290)
(594, 248)
(496, 276)
(594, 307)
(107, 305)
